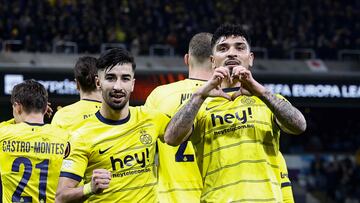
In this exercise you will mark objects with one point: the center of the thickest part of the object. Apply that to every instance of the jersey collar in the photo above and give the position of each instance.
(112, 122)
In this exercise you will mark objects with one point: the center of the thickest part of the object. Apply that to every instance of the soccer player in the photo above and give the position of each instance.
(90, 97)
(115, 150)
(237, 131)
(185, 184)
(32, 152)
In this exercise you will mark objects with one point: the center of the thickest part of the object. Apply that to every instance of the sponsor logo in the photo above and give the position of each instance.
(141, 158)
(229, 118)
(103, 151)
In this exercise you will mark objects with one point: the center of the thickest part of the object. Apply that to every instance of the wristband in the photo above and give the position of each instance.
(87, 189)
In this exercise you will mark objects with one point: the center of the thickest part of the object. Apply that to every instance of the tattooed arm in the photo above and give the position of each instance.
(288, 117)
(180, 125)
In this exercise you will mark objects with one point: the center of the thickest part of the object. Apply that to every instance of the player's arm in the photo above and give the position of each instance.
(289, 118)
(68, 190)
(180, 126)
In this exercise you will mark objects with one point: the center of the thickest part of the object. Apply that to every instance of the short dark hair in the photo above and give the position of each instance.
(85, 72)
(112, 57)
(31, 95)
(227, 30)
(200, 46)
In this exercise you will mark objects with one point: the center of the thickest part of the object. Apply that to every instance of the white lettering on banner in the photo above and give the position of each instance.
(60, 87)
(315, 90)
(351, 91)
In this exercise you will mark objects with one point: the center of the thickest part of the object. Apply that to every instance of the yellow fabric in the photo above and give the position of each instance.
(4, 123)
(125, 148)
(237, 143)
(286, 187)
(179, 175)
(68, 116)
(31, 157)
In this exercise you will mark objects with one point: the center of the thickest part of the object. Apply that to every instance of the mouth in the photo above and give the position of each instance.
(117, 96)
(232, 62)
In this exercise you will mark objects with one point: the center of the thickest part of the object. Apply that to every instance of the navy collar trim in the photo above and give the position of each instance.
(231, 89)
(93, 100)
(197, 79)
(112, 122)
(35, 124)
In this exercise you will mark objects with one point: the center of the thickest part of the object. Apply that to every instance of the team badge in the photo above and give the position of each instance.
(247, 100)
(145, 138)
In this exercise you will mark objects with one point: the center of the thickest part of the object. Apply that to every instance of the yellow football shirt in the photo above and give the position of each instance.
(125, 147)
(286, 188)
(72, 114)
(31, 157)
(237, 146)
(179, 175)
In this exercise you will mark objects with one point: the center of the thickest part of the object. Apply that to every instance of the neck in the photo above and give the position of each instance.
(112, 114)
(33, 118)
(94, 95)
(200, 73)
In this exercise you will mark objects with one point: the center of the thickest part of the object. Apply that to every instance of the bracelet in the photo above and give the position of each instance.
(87, 189)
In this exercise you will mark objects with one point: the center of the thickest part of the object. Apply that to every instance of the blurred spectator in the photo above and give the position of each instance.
(281, 25)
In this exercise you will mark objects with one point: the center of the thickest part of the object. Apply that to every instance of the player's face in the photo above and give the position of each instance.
(232, 51)
(116, 85)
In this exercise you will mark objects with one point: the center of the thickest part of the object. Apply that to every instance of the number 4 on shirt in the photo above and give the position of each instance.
(180, 156)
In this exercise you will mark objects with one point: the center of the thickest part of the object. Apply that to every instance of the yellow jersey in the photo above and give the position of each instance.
(124, 147)
(186, 184)
(31, 157)
(237, 143)
(72, 114)
(286, 188)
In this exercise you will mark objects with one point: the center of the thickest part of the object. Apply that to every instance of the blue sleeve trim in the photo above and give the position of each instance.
(287, 184)
(71, 175)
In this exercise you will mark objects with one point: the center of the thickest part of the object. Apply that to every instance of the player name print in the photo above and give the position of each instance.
(14, 146)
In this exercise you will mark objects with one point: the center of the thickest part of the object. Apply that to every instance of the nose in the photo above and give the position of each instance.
(232, 52)
(117, 85)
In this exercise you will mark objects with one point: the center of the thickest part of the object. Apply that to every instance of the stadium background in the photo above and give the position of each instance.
(307, 50)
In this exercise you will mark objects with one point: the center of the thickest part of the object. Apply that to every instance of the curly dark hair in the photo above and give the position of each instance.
(227, 30)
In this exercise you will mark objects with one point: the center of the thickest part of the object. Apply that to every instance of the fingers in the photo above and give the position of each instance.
(100, 180)
(49, 110)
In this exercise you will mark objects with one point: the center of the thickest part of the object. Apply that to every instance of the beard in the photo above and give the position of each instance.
(116, 105)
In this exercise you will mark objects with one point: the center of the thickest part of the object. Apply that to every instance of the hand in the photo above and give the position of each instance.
(100, 180)
(212, 88)
(49, 110)
(248, 85)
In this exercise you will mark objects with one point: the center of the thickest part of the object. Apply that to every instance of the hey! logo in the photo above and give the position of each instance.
(145, 138)
(129, 160)
(228, 118)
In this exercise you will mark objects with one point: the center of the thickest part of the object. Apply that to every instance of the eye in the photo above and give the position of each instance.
(222, 48)
(109, 77)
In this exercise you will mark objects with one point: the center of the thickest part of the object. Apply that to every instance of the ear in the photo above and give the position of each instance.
(97, 82)
(212, 60)
(77, 85)
(17, 111)
(251, 59)
(186, 59)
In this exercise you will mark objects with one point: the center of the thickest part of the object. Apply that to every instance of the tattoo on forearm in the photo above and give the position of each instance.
(183, 120)
(288, 116)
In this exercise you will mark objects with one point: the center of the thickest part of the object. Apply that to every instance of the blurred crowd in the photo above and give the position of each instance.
(337, 180)
(329, 130)
(326, 26)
